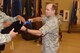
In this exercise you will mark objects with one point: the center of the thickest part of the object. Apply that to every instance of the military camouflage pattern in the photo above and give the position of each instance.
(3, 18)
(50, 31)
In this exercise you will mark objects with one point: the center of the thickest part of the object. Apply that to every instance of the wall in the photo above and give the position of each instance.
(0, 1)
(1, 4)
(62, 5)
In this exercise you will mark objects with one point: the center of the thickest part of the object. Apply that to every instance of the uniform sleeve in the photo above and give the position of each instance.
(13, 19)
(1, 26)
(49, 27)
(5, 18)
(60, 19)
(4, 38)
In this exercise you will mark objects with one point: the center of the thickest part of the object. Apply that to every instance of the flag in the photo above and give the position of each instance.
(28, 8)
(7, 7)
(15, 11)
(16, 7)
(73, 19)
(34, 8)
(40, 7)
(20, 7)
(37, 7)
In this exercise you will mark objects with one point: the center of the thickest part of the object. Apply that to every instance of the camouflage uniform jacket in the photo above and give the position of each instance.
(50, 35)
(3, 18)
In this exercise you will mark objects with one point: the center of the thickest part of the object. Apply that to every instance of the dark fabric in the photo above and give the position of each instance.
(28, 8)
(73, 19)
(16, 25)
(16, 7)
(34, 8)
(7, 7)
(39, 8)
(20, 7)
(2, 47)
(28, 36)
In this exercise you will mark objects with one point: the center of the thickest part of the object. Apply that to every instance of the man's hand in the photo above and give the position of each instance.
(21, 19)
(23, 28)
(12, 33)
(30, 20)
(7, 24)
(36, 19)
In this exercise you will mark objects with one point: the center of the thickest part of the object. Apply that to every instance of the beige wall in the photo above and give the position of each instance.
(62, 5)
(0, 1)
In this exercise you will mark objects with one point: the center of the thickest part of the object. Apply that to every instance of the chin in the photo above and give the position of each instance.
(47, 15)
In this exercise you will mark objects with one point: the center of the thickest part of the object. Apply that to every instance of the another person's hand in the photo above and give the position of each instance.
(12, 33)
(7, 24)
(23, 28)
(21, 19)
(30, 20)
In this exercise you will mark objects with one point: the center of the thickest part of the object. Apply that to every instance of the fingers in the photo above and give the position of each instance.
(20, 21)
(30, 20)
(12, 29)
(23, 28)
(16, 33)
(12, 33)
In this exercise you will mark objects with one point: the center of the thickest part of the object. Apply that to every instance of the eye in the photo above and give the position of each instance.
(47, 9)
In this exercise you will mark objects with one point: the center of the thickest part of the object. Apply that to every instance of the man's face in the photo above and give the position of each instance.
(49, 11)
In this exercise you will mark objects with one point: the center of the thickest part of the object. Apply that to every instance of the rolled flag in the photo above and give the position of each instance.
(29, 23)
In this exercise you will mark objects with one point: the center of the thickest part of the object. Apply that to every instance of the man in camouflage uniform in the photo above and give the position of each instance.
(6, 21)
(49, 31)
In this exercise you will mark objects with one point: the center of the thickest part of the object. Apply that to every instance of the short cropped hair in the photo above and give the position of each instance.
(55, 7)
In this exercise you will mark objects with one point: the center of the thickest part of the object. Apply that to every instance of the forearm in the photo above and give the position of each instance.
(37, 19)
(8, 18)
(13, 19)
(34, 32)
(16, 18)
(1, 26)
(5, 17)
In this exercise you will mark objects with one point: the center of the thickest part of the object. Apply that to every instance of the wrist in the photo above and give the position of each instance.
(30, 20)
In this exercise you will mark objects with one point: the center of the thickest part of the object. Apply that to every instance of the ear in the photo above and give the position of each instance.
(53, 11)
